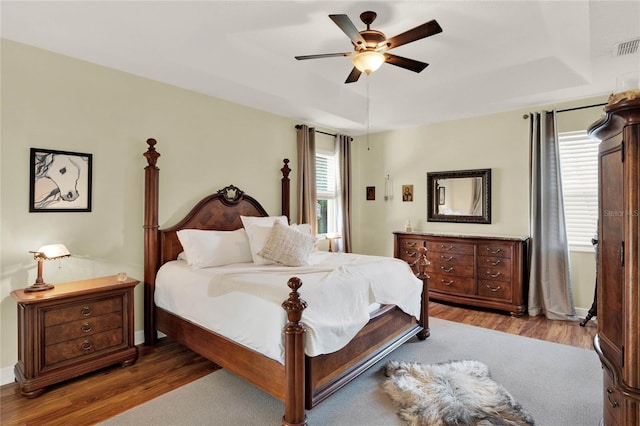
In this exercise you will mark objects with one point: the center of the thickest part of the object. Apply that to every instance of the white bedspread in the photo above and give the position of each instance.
(243, 301)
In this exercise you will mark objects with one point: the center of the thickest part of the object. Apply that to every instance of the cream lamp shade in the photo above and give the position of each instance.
(368, 61)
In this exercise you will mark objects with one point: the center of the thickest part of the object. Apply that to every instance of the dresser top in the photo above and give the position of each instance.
(469, 236)
(74, 288)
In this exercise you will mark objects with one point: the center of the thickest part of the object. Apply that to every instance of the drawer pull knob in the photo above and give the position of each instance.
(497, 262)
(86, 345)
(493, 289)
(86, 327)
(446, 248)
(496, 251)
(447, 259)
(447, 283)
(496, 275)
(86, 310)
(614, 403)
(449, 269)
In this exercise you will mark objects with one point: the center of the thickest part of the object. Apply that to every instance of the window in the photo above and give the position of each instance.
(326, 169)
(579, 171)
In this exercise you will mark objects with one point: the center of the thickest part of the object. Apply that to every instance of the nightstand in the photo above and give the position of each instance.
(73, 329)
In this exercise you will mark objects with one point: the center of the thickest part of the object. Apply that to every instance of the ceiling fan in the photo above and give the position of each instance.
(371, 46)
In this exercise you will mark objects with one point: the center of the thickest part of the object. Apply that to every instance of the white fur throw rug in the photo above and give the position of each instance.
(452, 393)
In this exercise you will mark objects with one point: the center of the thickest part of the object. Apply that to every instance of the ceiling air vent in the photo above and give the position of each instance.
(627, 47)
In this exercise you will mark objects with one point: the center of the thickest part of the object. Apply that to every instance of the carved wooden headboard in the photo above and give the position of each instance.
(220, 211)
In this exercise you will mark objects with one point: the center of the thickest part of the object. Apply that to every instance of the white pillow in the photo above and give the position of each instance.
(305, 228)
(258, 229)
(287, 246)
(214, 248)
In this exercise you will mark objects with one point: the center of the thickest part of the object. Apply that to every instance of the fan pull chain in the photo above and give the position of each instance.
(368, 113)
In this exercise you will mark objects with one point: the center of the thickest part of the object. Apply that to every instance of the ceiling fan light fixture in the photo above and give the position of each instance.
(368, 61)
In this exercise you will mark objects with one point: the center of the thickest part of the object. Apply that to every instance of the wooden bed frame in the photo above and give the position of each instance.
(303, 381)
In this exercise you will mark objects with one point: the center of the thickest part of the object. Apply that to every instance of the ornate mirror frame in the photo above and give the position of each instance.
(437, 196)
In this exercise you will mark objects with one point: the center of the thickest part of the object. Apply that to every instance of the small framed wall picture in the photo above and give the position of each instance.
(407, 192)
(371, 193)
(59, 181)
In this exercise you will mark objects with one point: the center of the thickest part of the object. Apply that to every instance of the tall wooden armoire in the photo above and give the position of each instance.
(617, 341)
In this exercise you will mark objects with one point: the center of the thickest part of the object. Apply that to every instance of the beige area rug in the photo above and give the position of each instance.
(558, 385)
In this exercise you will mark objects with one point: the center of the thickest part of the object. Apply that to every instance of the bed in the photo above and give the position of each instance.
(299, 380)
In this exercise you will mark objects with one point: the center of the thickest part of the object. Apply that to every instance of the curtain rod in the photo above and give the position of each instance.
(581, 107)
(526, 116)
(298, 126)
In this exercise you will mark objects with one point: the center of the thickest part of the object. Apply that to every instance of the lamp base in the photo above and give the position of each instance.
(38, 287)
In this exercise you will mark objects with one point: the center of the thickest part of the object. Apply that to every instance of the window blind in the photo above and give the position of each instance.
(325, 176)
(579, 171)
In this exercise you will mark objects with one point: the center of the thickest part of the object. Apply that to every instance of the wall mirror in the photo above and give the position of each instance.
(459, 196)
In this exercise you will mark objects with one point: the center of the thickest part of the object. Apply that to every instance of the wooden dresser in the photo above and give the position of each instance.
(473, 270)
(617, 341)
(73, 329)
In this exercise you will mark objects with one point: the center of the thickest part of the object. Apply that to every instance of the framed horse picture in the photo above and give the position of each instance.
(60, 181)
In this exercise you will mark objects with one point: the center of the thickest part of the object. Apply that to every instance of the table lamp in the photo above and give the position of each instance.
(48, 252)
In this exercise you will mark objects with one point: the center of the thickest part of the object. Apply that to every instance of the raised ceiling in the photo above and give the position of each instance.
(491, 56)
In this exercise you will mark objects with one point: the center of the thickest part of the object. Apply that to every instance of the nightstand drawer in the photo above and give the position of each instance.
(82, 346)
(83, 310)
(82, 328)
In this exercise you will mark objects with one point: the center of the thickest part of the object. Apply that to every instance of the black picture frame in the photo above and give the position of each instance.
(371, 193)
(435, 197)
(59, 181)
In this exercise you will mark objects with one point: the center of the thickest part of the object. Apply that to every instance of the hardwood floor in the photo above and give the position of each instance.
(96, 397)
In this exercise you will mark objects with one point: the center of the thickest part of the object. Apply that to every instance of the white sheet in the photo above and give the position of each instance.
(243, 301)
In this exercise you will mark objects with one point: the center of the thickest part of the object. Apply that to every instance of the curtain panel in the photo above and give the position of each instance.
(343, 148)
(306, 188)
(550, 290)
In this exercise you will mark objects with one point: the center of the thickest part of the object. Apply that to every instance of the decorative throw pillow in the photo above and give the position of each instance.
(258, 229)
(287, 246)
(204, 249)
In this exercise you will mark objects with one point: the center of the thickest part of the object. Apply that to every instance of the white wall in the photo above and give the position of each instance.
(52, 101)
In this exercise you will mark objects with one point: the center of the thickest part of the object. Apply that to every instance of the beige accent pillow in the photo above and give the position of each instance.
(287, 246)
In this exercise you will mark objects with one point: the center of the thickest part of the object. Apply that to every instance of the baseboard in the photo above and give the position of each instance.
(7, 376)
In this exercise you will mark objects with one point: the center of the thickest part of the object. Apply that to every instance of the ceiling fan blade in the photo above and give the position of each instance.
(323, 55)
(421, 31)
(406, 63)
(348, 28)
(354, 76)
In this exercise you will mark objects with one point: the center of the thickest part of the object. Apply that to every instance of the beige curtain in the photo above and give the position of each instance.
(343, 148)
(550, 291)
(306, 189)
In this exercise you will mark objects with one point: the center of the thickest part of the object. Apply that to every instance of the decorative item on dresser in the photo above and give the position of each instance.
(73, 329)
(618, 290)
(481, 271)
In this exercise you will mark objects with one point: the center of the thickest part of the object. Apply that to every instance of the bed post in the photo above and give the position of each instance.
(422, 274)
(151, 252)
(286, 194)
(294, 357)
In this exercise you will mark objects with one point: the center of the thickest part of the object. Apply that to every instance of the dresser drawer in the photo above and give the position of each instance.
(495, 269)
(83, 346)
(495, 250)
(494, 289)
(613, 402)
(464, 271)
(450, 259)
(83, 327)
(449, 247)
(451, 284)
(82, 310)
